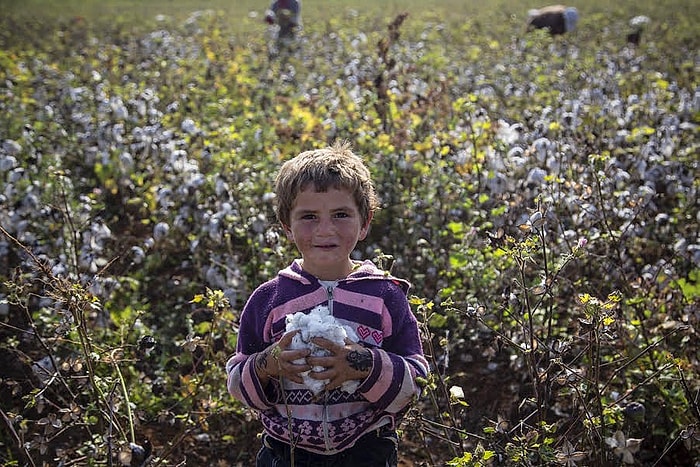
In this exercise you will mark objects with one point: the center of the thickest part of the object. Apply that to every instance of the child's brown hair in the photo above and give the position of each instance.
(336, 167)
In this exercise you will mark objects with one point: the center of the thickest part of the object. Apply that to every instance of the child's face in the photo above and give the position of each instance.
(325, 227)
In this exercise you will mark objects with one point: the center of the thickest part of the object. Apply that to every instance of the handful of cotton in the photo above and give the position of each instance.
(319, 323)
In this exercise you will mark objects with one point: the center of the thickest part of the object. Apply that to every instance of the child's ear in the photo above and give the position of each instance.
(288, 231)
(365, 228)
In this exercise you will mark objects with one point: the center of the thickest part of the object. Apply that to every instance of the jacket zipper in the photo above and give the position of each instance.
(329, 290)
(326, 437)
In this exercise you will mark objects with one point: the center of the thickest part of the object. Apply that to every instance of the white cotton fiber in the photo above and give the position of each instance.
(319, 323)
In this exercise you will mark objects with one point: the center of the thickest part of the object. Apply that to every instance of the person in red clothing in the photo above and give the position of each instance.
(325, 203)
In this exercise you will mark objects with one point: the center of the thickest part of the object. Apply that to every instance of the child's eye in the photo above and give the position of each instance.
(308, 217)
(341, 215)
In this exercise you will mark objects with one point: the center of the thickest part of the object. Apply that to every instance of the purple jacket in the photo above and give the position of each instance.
(374, 304)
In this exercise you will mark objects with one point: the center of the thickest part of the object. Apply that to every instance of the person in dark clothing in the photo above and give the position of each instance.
(286, 15)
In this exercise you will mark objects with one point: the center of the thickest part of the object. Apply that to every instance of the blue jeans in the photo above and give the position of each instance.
(376, 449)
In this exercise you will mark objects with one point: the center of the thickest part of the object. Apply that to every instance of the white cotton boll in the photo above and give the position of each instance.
(7, 163)
(221, 187)
(189, 126)
(319, 323)
(516, 152)
(497, 184)
(126, 160)
(119, 110)
(509, 134)
(541, 148)
(160, 230)
(138, 254)
(536, 177)
(11, 147)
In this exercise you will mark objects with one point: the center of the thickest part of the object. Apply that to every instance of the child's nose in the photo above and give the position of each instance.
(325, 226)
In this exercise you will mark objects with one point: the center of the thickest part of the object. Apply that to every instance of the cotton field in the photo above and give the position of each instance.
(539, 192)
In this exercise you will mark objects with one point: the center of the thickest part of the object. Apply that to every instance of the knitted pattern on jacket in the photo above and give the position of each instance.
(374, 304)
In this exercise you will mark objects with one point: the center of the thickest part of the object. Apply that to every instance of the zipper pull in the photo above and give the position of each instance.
(329, 290)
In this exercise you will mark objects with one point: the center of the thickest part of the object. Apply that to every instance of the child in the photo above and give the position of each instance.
(325, 202)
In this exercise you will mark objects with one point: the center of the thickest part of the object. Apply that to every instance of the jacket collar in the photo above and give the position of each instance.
(364, 270)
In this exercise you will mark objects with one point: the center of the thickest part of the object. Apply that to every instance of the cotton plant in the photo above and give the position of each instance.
(319, 323)
(623, 446)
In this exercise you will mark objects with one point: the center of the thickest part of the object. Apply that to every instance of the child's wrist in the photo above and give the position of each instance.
(261, 362)
(361, 361)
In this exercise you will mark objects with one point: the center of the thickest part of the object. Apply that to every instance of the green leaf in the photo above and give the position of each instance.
(690, 286)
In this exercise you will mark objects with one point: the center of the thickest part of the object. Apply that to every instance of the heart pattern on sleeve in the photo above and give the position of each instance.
(364, 332)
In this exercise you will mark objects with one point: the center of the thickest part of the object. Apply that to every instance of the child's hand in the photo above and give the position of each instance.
(345, 362)
(278, 361)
